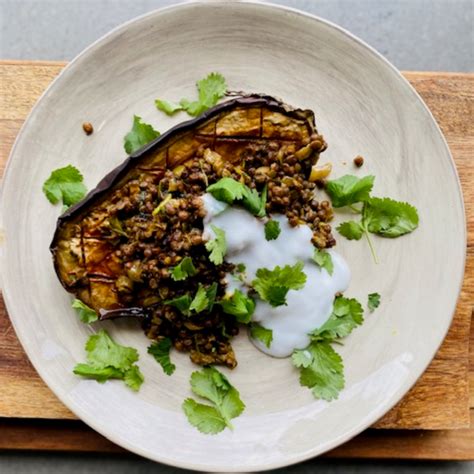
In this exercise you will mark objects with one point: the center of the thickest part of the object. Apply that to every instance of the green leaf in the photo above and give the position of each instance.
(238, 305)
(169, 108)
(302, 358)
(103, 351)
(389, 218)
(101, 374)
(325, 375)
(351, 230)
(161, 352)
(183, 270)
(272, 230)
(204, 298)
(214, 386)
(86, 315)
(182, 303)
(65, 184)
(116, 226)
(346, 315)
(134, 378)
(204, 417)
(349, 189)
(217, 246)
(323, 259)
(262, 334)
(140, 134)
(211, 89)
(229, 190)
(109, 360)
(373, 301)
(273, 285)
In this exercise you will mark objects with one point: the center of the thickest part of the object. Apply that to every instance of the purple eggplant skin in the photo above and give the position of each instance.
(68, 239)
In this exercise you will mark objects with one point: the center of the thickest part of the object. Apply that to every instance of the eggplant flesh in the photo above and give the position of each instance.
(86, 239)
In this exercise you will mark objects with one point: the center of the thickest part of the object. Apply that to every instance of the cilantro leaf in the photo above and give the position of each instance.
(217, 246)
(272, 229)
(182, 303)
(302, 358)
(86, 315)
(273, 285)
(262, 334)
(323, 259)
(169, 108)
(229, 190)
(214, 386)
(140, 134)
(183, 270)
(65, 184)
(133, 378)
(161, 352)
(346, 315)
(373, 301)
(389, 218)
(108, 360)
(349, 189)
(211, 89)
(239, 305)
(101, 374)
(203, 300)
(204, 417)
(351, 230)
(325, 375)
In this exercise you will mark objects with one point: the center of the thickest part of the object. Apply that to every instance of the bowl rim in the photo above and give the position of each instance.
(376, 413)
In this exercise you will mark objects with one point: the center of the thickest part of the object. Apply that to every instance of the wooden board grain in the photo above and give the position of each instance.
(61, 435)
(440, 399)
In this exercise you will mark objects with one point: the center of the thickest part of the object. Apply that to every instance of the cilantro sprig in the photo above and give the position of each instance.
(226, 404)
(349, 190)
(373, 301)
(66, 185)
(203, 300)
(264, 335)
(272, 229)
(86, 315)
(108, 360)
(140, 134)
(321, 367)
(231, 191)
(273, 285)
(161, 352)
(239, 305)
(210, 90)
(183, 270)
(217, 247)
(323, 259)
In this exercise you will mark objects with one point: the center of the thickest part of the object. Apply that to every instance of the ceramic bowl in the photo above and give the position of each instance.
(363, 106)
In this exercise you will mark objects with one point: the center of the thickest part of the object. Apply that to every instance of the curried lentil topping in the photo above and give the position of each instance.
(117, 251)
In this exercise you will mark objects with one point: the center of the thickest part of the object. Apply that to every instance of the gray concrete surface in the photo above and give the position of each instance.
(413, 34)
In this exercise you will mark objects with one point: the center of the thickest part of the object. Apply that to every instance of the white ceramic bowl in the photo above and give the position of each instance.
(363, 106)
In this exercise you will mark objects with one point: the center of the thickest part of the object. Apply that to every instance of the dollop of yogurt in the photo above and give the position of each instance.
(308, 308)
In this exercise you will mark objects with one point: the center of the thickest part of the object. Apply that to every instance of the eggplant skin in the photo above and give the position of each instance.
(86, 263)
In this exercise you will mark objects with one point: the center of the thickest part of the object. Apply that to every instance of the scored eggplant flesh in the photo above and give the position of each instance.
(87, 238)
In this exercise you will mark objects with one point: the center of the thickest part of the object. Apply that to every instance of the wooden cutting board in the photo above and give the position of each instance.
(441, 398)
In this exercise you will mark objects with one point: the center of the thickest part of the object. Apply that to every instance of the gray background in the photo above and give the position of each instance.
(419, 35)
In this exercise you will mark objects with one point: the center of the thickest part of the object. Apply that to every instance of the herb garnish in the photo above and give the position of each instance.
(262, 334)
(323, 259)
(65, 184)
(140, 134)
(203, 300)
(272, 229)
(239, 305)
(161, 352)
(373, 301)
(225, 400)
(349, 190)
(210, 90)
(273, 285)
(217, 246)
(108, 360)
(86, 315)
(229, 190)
(183, 270)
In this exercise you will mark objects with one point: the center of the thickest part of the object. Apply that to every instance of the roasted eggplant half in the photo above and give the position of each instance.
(116, 249)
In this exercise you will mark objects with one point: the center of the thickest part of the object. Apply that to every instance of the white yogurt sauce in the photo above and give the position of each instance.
(306, 309)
